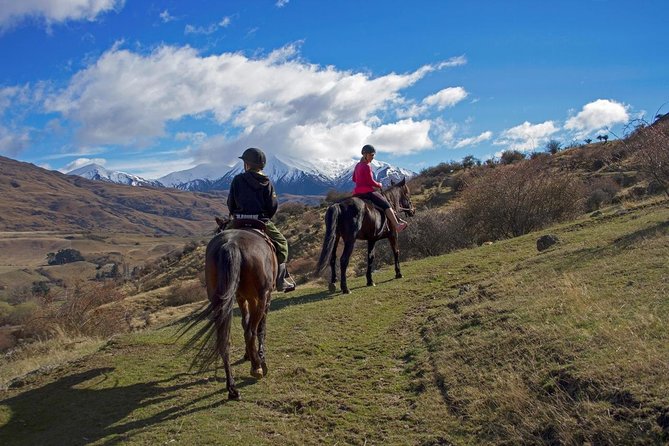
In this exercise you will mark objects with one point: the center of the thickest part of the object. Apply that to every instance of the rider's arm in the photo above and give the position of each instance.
(271, 202)
(366, 178)
(232, 204)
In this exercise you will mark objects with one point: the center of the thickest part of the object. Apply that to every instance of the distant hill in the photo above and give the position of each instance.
(36, 199)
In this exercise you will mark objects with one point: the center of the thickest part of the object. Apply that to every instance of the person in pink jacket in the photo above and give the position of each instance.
(367, 187)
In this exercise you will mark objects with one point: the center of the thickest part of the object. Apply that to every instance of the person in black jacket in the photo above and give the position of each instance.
(252, 195)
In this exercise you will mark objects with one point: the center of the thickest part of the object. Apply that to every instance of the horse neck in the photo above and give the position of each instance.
(392, 195)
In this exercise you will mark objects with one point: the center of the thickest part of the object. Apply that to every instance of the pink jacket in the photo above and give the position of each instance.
(364, 179)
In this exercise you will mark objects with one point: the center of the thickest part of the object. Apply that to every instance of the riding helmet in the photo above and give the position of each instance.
(368, 148)
(254, 157)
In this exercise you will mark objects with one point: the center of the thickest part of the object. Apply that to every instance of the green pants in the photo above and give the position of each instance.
(279, 240)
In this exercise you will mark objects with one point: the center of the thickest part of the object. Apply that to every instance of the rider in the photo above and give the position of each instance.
(366, 187)
(252, 195)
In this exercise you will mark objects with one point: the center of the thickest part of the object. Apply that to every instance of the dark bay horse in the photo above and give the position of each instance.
(239, 265)
(356, 219)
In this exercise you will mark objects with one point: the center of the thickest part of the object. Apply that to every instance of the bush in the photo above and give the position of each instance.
(513, 200)
(5, 310)
(511, 156)
(602, 191)
(184, 293)
(651, 153)
(64, 256)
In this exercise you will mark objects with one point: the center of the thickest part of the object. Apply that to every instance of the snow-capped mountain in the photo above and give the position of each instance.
(295, 176)
(289, 175)
(97, 172)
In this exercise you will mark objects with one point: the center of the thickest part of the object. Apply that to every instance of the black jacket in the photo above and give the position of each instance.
(252, 193)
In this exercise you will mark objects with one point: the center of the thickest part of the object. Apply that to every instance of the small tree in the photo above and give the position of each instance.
(470, 161)
(603, 138)
(651, 153)
(553, 146)
(587, 140)
(511, 156)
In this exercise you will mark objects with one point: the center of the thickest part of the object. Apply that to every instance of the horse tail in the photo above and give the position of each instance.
(331, 220)
(212, 339)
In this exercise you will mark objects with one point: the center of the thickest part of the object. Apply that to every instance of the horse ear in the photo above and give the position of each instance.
(392, 183)
(403, 182)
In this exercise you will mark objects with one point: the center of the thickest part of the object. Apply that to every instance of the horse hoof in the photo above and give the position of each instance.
(265, 369)
(345, 291)
(233, 395)
(398, 276)
(257, 373)
(332, 287)
(371, 284)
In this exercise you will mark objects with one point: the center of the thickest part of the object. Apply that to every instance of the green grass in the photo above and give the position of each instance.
(495, 345)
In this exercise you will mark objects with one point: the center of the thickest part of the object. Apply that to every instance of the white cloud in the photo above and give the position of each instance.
(81, 162)
(597, 115)
(278, 101)
(465, 142)
(13, 12)
(526, 136)
(210, 29)
(402, 137)
(12, 142)
(447, 97)
(281, 3)
(166, 17)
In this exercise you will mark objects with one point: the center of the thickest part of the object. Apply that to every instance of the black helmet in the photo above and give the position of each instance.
(254, 157)
(368, 148)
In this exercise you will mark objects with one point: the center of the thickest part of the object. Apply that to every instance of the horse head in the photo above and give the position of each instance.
(222, 224)
(404, 203)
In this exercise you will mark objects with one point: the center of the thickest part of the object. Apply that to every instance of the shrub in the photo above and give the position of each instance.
(184, 293)
(5, 310)
(64, 256)
(23, 312)
(601, 191)
(553, 146)
(514, 200)
(511, 156)
(651, 153)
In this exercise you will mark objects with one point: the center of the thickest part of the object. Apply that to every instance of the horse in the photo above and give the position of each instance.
(241, 265)
(356, 219)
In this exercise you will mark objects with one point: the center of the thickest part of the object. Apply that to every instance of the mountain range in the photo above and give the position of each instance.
(290, 176)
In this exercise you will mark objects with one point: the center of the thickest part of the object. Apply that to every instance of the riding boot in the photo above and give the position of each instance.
(284, 282)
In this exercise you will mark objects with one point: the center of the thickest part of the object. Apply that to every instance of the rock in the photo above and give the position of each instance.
(596, 214)
(546, 241)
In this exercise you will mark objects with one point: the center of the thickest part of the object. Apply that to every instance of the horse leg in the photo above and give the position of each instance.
(333, 267)
(262, 330)
(257, 313)
(233, 393)
(396, 254)
(370, 261)
(345, 257)
(245, 322)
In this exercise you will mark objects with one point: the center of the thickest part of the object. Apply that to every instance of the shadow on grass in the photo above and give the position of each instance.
(627, 241)
(75, 411)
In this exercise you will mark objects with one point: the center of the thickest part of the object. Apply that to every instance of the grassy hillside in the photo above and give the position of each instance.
(36, 199)
(500, 344)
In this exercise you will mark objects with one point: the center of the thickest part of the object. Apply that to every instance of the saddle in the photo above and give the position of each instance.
(254, 225)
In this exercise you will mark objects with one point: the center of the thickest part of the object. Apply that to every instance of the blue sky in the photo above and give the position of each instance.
(152, 87)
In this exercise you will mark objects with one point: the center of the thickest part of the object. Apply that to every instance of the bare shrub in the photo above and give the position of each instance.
(601, 191)
(513, 200)
(650, 144)
(184, 293)
(430, 233)
(89, 309)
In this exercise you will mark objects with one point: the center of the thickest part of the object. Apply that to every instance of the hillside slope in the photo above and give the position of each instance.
(495, 345)
(35, 199)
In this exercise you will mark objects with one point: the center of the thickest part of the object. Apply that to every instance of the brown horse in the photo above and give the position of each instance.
(356, 219)
(240, 264)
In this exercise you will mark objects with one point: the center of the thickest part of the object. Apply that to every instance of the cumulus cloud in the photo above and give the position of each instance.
(597, 115)
(402, 137)
(13, 12)
(277, 100)
(81, 162)
(447, 97)
(466, 142)
(526, 136)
